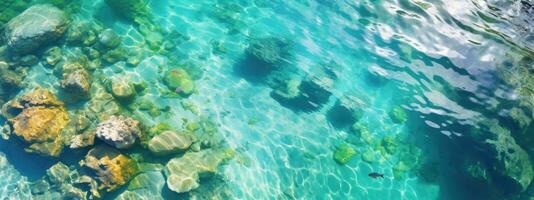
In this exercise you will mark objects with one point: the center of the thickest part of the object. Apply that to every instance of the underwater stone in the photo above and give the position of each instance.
(109, 39)
(147, 185)
(169, 142)
(179, 80)
(398, 115)
(122, 88)
(102, 104)
(390, 144)
(40, 122)
(85, 139)
(513, 162)
(53, 56)
(183, 173)
(112, 168)
(33, 28)
(58, 173)
(269, 50)
(134, 10)
(519, 116)
(11, 79)
(399, 170)
(344, 153)
(308, 94)
(119, 131)
(115, 55)
(28, 60)
(369, 156)
(77, 83)
(89, 183)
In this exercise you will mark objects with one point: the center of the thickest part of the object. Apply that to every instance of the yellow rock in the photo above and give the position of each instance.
(40, 124)
(112, 168)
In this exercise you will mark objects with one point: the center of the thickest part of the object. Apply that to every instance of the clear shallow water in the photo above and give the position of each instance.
(437, 60)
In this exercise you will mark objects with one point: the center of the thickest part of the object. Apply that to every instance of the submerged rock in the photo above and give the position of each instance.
(58, 184)
(270, 50)
(303, 95)
(169, 142)
(513, 162)
(398, 115)
(122, 88)
(109, 39)
(85, 139)
(179, 81)
(112, 168)
(33, 28)
(119, 131)
(77, 83)
(40, 121)
(344, 153)
(183, 173)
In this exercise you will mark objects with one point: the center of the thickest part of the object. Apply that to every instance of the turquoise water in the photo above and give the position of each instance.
(438, 63)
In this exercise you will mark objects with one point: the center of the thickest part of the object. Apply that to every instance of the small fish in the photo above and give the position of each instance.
(376, 175)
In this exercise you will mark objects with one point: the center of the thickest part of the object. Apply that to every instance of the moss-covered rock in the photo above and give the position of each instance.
(179, 81)
(344, 153)
(398, 115)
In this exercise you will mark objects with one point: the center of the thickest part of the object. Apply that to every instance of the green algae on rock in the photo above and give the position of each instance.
(178, 80)
(35, 27)
(398, 115)
(344, 153)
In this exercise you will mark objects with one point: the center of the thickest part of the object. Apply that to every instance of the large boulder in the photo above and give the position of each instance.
(112, 168)
(183, 173)
(77, 83)
(169, 142)
(36, 26)
(119, 131)
(40, 121)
